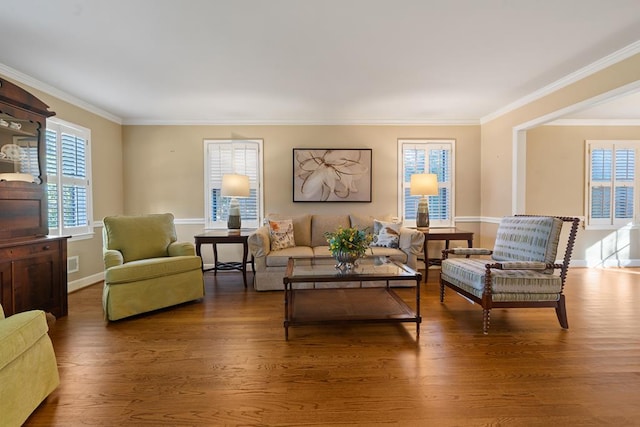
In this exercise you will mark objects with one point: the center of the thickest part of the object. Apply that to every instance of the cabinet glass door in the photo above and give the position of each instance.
(19, 150)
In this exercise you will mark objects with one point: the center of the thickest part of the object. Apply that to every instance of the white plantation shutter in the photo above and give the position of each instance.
(611, 176)
(239, 157)
(68, 178)
(427, 156)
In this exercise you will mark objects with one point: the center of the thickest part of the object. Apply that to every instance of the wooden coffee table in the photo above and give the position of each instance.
(315, 292)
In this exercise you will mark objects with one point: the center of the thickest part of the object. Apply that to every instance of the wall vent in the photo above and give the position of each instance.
(73, 264)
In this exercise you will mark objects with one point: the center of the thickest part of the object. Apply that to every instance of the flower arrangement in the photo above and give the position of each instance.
(349, 240)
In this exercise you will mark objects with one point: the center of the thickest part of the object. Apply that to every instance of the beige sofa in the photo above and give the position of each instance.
(310, 241)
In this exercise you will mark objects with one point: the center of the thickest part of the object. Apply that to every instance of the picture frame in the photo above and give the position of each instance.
(332, 175)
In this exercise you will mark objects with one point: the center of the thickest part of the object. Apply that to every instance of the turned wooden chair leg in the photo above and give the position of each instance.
(561, 312)
(485, 321)
(441, 292)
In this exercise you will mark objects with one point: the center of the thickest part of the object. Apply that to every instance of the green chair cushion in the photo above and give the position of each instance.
(151, 268)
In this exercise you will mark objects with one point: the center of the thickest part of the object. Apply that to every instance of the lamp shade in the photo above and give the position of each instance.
(234, 185)
(424, 184)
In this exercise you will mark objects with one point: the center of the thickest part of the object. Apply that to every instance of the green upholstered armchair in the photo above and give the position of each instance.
(28, 368)
(145, 267)
(521, 271)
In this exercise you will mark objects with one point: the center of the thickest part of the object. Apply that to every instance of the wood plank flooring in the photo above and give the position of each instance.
(224, 361)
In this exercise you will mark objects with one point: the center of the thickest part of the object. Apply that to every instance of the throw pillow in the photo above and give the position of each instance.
(386, 234)
(281, 234)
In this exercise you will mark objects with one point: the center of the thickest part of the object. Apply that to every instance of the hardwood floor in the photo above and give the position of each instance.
(224, 361)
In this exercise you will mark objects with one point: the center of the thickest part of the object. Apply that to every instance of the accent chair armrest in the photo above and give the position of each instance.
(522, 265)
(112, 258)
(181, 249)
(468, 251)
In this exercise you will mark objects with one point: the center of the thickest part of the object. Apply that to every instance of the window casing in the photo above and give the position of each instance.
(427, 156)
(242, 157)
(68, 170)
(611, 198)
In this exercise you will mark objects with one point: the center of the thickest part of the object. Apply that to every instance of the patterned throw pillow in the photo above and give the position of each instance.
(281, 233)
(386, 234)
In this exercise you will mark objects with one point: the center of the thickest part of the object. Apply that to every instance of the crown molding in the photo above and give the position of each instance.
(382, 122)
(594, 122)
(601, 64)
(37, 84)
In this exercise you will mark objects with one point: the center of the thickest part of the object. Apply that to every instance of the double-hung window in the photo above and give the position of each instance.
(242, 157)
(611, 191)
(68, 170)
(427, 156)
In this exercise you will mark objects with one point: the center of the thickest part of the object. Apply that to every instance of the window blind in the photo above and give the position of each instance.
(226, 157)
(68, 178)
(427, 157)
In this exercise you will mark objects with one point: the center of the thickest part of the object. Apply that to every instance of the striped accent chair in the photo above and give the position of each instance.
(520, 271)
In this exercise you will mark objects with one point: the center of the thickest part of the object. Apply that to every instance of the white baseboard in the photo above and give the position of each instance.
(84, 282)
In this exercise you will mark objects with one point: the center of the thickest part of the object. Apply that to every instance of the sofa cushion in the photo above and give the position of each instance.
(140, 237)
(321, 224)
(365, 222)
(281, 258)
(281, 234)
(301, 227)
(386, 234)
(136, 271)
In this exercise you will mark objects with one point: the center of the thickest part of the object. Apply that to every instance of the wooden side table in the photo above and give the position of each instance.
(216, 237)
(446, 234)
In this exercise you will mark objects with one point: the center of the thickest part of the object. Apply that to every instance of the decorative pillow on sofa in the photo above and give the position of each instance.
(386, 234)
(281, 234)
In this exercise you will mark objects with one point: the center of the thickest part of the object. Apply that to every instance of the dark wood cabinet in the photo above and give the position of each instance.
(33, 267)
(33, 275)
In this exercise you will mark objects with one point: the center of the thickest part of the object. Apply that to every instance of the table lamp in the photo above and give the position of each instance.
(234, 186)
(423, 184)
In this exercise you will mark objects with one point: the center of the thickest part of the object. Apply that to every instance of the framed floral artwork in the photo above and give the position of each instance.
(332, 175)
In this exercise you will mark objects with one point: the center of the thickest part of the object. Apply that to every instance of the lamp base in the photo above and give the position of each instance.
(422, 220)
(233, 223)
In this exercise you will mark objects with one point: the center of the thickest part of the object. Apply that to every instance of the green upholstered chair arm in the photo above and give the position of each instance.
(112, 258)
(19, 332)
(182, 249)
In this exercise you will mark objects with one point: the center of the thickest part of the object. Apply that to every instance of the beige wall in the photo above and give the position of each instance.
(164, 165)
(556, 183)
(497, 139)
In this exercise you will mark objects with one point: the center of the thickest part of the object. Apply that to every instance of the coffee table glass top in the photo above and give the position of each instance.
(372, 266)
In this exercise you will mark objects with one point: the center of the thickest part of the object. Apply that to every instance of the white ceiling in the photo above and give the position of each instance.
(309, 61)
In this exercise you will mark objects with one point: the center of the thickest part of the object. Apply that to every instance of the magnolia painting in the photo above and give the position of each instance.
(331, 175)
